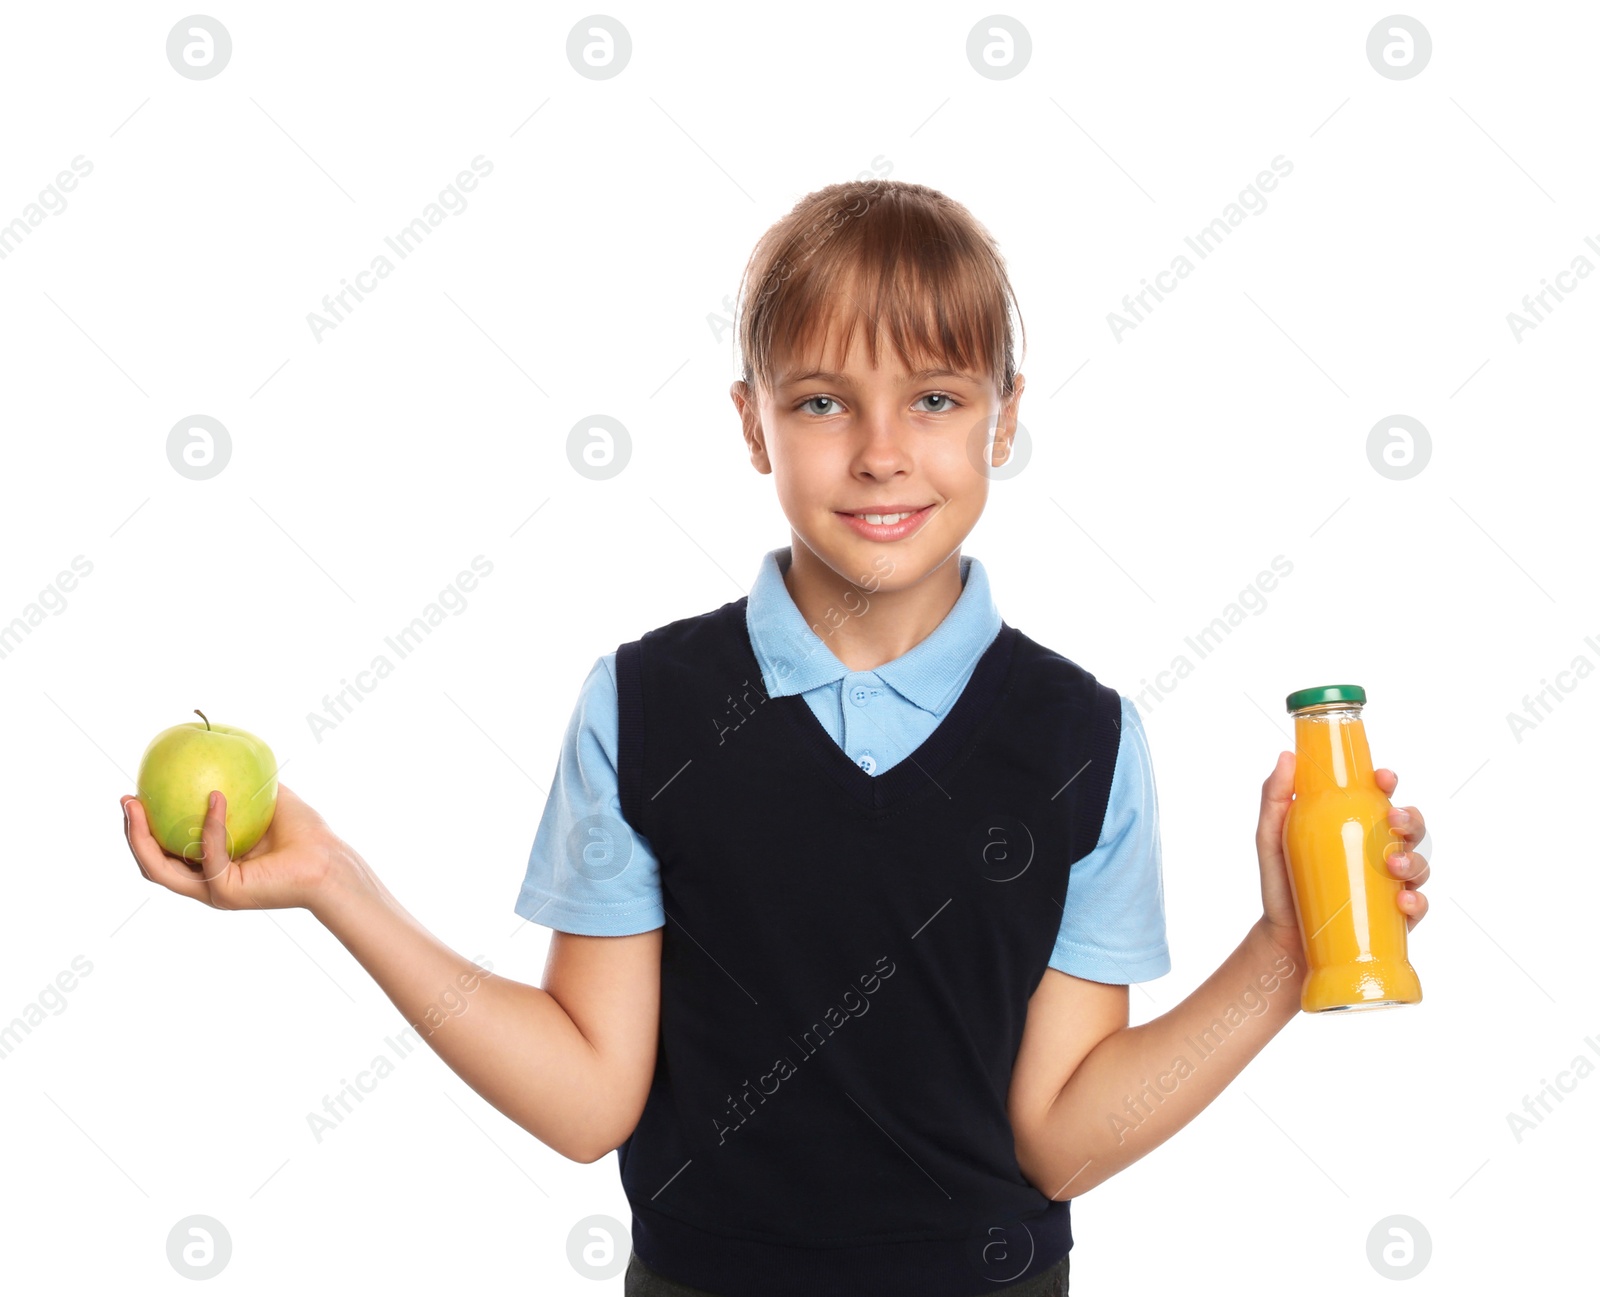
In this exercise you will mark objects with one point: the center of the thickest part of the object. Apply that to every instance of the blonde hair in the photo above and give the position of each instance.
(881, 253)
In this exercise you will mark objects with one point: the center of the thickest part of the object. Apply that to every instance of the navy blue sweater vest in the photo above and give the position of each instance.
(846, 968)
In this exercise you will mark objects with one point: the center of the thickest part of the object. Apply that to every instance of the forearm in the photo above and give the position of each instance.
(1141, 1085)
(512, 1043)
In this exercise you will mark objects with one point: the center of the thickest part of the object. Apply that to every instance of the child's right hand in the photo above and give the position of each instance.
(292, 865)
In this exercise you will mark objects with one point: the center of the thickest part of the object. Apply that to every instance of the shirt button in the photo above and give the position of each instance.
(860, 694)
(867, 762)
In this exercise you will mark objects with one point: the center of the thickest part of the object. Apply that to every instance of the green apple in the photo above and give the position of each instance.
(181, 767)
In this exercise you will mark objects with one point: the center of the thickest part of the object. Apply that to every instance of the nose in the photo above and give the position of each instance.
(883, 444)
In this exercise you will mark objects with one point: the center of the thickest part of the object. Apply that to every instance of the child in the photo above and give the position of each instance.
(848, 878)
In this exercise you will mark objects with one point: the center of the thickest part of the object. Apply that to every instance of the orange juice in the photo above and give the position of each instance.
(1337, 839)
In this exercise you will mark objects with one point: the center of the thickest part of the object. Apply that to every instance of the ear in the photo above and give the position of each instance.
(750, 424)
(1006, 426)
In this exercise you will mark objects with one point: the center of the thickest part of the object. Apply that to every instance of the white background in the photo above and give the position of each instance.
(369, 467)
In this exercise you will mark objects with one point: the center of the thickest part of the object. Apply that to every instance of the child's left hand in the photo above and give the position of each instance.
(1277, 903)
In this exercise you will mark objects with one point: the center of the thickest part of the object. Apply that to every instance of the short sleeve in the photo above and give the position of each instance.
(589, 872)
(1114, 923)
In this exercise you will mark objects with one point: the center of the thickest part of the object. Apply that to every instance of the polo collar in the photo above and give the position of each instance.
(794, 660)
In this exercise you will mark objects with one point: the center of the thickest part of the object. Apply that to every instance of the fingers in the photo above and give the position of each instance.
(1407, 822)
(1405, 819)
(1408, 864)
(1276, 792)
(127, 833)
(1410, 867)
(1278, 787)
(214, 857)
(154, 863)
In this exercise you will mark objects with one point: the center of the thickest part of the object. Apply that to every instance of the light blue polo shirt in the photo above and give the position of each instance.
(1113, 928)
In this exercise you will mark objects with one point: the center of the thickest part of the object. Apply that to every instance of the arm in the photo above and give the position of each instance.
(1090, 1094)
(571, 1063)
(1131, 1088)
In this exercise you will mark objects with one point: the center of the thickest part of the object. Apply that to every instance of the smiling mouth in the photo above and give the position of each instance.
(888, 525)
(886, 517)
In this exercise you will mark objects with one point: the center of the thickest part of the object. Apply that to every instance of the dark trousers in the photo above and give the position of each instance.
(642, 1281)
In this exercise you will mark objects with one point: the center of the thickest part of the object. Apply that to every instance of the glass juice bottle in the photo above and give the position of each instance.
(1336, 840)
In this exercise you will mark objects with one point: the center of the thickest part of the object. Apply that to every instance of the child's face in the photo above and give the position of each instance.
(856, 440)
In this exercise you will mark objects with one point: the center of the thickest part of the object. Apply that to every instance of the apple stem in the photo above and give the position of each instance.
(202, 716)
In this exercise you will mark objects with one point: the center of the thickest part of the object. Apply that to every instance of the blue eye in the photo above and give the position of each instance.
(949, 403)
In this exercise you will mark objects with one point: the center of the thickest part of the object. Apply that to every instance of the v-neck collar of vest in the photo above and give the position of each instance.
(922, 768)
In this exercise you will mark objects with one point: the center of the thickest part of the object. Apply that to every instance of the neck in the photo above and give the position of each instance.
(865, 626)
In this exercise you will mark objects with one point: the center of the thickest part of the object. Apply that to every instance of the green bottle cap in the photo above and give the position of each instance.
(1326, 694)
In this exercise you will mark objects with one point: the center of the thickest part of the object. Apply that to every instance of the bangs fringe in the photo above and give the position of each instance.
(879, 255)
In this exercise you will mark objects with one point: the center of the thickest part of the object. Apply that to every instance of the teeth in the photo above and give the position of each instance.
(883, 519)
